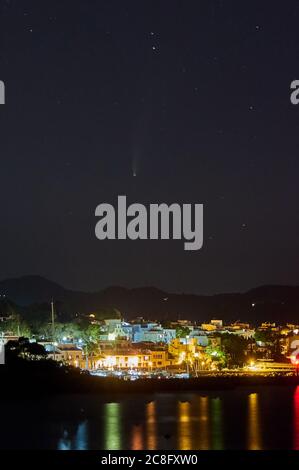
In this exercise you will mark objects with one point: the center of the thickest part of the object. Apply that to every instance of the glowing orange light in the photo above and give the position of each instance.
(294, 359)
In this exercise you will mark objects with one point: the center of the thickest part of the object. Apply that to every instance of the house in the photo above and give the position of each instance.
(67, 353)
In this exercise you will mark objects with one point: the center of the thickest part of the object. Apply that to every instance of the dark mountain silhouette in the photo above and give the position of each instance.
(266, 303)
(7, 307)
(30, 289)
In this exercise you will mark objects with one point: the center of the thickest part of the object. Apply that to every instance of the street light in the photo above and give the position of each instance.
(295, 360)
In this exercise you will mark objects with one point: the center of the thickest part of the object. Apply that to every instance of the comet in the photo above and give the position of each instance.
(134, 166)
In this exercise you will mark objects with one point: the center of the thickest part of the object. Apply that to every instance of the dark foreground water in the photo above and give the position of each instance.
(264, 418)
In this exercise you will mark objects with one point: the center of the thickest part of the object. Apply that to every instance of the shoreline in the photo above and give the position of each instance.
(20, 385)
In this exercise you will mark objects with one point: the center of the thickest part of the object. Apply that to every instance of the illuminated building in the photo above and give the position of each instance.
(208, 327)
(114, 328)
(133, 359)
(217, 323)
(187, 351)
(68, 354)
(267, 326)
(152, 332)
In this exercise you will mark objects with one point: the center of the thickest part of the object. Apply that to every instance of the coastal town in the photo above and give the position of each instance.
(152, 348)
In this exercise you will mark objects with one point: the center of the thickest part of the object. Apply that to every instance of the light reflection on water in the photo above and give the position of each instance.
(296, 419)
(197, 423)
(198, 426)
(266, 418)
(78, 442)
(184, 426)
(112, 426)
(151, 426)
(204, 420)
(217, 429)
(254, 425)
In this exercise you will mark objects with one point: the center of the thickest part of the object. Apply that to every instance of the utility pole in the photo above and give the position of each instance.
(187, 355)
(53, 328)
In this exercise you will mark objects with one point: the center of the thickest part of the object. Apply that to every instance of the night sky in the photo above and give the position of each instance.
(193, 94)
